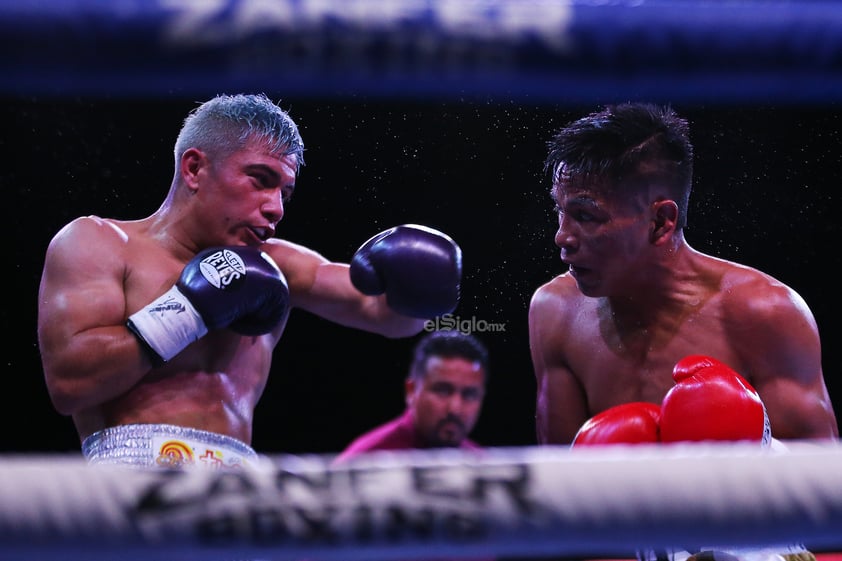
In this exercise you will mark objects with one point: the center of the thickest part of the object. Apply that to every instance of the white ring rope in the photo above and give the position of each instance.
(404, 505)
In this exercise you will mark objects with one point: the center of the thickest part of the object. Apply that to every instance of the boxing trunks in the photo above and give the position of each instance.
(784, 553)
(166, 446)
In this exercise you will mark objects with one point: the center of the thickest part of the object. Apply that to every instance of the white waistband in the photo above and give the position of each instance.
(166, 446)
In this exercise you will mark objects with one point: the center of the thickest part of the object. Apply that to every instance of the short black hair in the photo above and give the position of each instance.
(447, 344)
(619, 141)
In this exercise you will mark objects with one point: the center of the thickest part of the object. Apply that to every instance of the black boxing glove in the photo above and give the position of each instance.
(240, 288)
(419, 269)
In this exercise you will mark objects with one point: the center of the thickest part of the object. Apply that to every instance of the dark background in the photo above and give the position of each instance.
(767, 195)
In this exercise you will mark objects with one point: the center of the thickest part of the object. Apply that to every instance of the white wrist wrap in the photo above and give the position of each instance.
(169, 323)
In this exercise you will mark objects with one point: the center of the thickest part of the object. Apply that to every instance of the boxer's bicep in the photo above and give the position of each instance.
(324, 288)
(81, 310)
(560, 408)
(777, 340)
(335, 298)
(316, 284)
(81, 284)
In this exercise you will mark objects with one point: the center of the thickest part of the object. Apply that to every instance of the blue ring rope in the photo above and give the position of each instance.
(698, 51)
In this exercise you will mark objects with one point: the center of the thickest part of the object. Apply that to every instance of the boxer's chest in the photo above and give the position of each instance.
(616, 366)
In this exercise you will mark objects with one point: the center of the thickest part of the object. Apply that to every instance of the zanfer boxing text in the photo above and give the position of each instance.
(335, 506)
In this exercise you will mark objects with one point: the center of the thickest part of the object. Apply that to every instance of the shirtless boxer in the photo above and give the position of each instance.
(157, 334)
(637, 297)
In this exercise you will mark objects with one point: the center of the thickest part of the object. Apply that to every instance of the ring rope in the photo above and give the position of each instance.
(539, 50)
(402, 505)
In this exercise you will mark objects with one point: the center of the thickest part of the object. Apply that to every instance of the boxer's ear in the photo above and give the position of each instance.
(191, 163)
(664, 220)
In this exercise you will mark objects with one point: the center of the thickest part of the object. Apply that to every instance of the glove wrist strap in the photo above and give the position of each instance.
(168, 324)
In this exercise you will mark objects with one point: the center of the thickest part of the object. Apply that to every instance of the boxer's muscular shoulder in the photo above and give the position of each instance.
(106, 237)
(87, 229)
(557, 303)
(749, 295)
(553, 311)
(560, 292)
(88, 243)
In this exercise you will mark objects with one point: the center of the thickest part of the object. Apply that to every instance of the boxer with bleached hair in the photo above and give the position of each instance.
(157, 334)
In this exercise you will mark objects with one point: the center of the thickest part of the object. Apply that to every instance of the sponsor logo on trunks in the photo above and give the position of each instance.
(174, 453)
(221, 268)
(178, 454)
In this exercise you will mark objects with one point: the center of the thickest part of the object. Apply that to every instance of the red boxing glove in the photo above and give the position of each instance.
(627, 423)
(712, 402)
